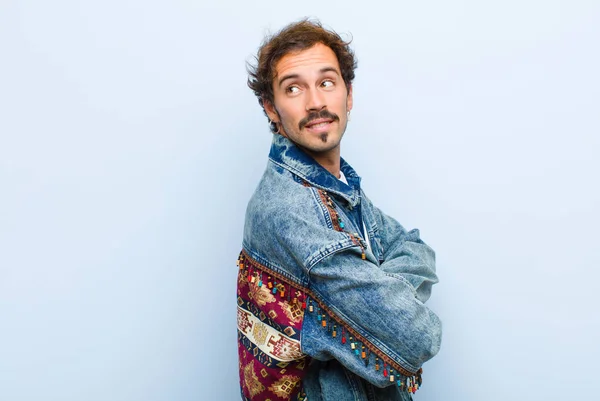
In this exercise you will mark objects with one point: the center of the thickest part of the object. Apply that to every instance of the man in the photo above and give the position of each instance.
(330, 289)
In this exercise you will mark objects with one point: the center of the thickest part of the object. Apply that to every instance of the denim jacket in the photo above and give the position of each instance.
(321, 315)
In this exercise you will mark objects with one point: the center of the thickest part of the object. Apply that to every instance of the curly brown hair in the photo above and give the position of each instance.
(297, 36)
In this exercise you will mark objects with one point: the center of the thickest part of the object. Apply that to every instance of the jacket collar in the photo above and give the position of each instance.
(287, 155)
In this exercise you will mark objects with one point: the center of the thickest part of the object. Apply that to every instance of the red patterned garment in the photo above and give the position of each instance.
(269, 317)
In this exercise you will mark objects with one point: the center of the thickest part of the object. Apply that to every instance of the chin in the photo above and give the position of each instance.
(324, 147)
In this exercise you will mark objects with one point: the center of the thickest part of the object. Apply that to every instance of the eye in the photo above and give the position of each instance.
(328, 83)
(292, 89)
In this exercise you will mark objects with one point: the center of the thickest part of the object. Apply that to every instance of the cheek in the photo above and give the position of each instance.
(343, 101)
(337, 102)
(291, 113)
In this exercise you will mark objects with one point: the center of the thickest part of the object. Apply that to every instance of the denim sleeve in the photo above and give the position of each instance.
(406, 256)
(378, 309)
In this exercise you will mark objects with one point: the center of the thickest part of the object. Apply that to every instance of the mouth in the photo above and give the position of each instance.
(319, 125)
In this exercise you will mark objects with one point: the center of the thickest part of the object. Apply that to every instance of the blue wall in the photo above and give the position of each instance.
(129, 146)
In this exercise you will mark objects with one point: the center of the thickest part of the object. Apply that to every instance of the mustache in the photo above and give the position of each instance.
(315, 115)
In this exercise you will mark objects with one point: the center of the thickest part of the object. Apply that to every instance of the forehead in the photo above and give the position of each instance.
(306, 61)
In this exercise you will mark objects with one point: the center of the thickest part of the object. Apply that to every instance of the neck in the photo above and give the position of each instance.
(330, 160)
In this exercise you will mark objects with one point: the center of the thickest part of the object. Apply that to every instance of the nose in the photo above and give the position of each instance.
(315, 100)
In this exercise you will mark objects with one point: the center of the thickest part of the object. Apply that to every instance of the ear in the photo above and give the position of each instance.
(349, 100)
(270, 110)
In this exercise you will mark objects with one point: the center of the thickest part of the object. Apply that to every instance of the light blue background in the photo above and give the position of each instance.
(129, 146)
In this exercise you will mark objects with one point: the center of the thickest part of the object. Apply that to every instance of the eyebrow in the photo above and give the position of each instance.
(294, 76)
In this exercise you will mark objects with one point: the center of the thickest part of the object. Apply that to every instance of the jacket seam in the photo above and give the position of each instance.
(405, 281)
(322, 207)
(327, 251)
(275, 269)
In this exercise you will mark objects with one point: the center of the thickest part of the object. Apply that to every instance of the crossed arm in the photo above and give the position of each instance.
(383, 304)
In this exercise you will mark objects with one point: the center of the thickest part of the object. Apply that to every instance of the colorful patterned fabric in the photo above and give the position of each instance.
(269, 321)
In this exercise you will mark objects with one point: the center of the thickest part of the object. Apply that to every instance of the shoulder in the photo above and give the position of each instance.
(280, 196)
(286, 221)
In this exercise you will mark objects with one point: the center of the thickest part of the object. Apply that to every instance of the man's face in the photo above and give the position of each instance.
(311, 100)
